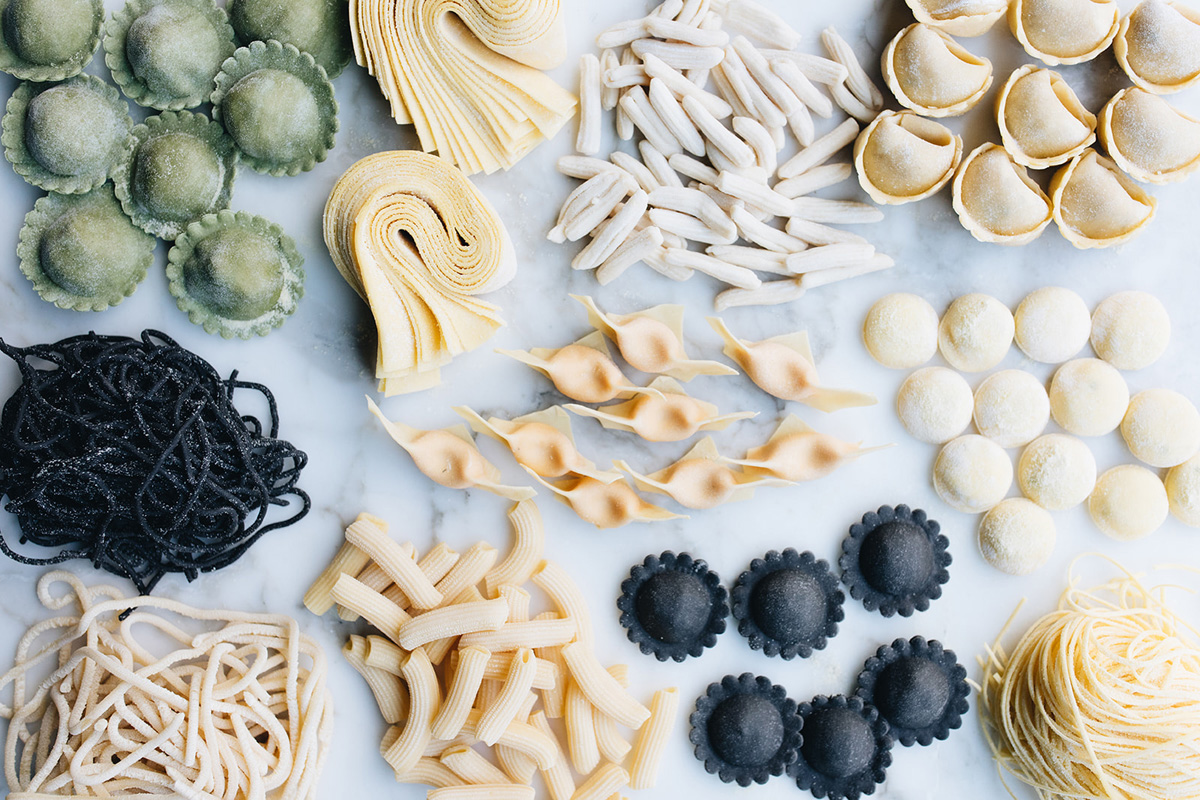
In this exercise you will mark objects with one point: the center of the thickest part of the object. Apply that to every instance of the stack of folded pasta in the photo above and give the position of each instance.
(467, 74)
(461, 663)
(417, 241)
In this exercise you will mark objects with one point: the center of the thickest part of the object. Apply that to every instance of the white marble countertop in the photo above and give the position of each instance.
(319, 366)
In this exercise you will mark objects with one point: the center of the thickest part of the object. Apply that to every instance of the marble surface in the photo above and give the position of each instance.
(319, 364)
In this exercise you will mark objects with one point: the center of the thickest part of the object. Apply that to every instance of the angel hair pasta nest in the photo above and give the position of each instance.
(130, 453)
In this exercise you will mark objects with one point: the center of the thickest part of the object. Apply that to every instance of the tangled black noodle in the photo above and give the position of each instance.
(131, 454)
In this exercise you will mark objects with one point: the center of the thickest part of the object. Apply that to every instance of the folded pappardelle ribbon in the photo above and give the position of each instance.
(417, 241)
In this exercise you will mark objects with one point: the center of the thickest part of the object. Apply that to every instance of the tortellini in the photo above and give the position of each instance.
(651, 340)
(932, 74)
(605, 505)
(668, 414)
(1148, 138)
(1064, 31)
(583, 370)
(997, 201)
(783, 367)
(1097, 206)
(903, 157)
(448, 457)
(541, 442)
(1042, 123)
(1158, 46)
(795, 453)
(959, 17)
(700, 479)
(48, 40)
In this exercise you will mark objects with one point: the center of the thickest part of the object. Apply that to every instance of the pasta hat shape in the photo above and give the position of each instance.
(466, 74)
(783, 367)
(959, 18)
(542, 442)
(418, 241)
(932, 74)
(1158, 46)
(605, 505)
(1042, 123)
(583, 370)
(1064, 31)
(996, 200)
(1170, 154)
(795, 452)
(651, 340)
(669, 414)
(449, 457)
(700, 479)
(903, 157)
(1095, 205)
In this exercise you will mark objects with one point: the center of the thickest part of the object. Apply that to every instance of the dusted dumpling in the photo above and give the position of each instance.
(278, 106)
(81, 252)
(1149, 138)
(235, 274)
(48, 40)
(182, 168)
(997, 201)
(932, 74)
(959, 17)
(1158, 46)
(1064, 31)
(1095, 205)
(69, 137)
(166, 53)
(320, 28)
(1042, 123)
(902, 157)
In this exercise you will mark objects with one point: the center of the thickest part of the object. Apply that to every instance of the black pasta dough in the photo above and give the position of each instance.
(895, 560)
(130, 453)
(919, 688)
(745, 729)
(673, 606)
(846, 749)
(788, 604)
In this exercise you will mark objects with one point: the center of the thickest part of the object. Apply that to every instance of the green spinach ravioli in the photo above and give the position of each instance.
(68, 137)
(81, 252)
(320, 28)
(235, 274)
(182, 167)
(277, 103)
(48, 40)
(165, 54)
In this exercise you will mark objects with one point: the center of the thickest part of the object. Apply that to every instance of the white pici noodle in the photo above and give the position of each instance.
(212, 703)
(722, 144)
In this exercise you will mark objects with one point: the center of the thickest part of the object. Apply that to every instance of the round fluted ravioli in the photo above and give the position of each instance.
(1042, 123)
(69, 137)
(81, 252)
(846, 749)
(181, 168)
(166, 54)
(235, 274)
(1158, 46)
(1149, 138)
(48, 40)
(745, 729)
(320, 28)
(996, 200)
(673, 606)
(278, 106)
(902, 157)
(787, 604)
(1096, 205)
(918, 687)
(895, 560)
(958, 18)
(1064, 31)
(932, 74)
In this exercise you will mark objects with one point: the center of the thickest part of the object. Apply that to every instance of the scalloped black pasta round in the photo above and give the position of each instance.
(919, 688)
(846, 749)
(895, 560)
(745, 729)
(673, 606)
(788, 604)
